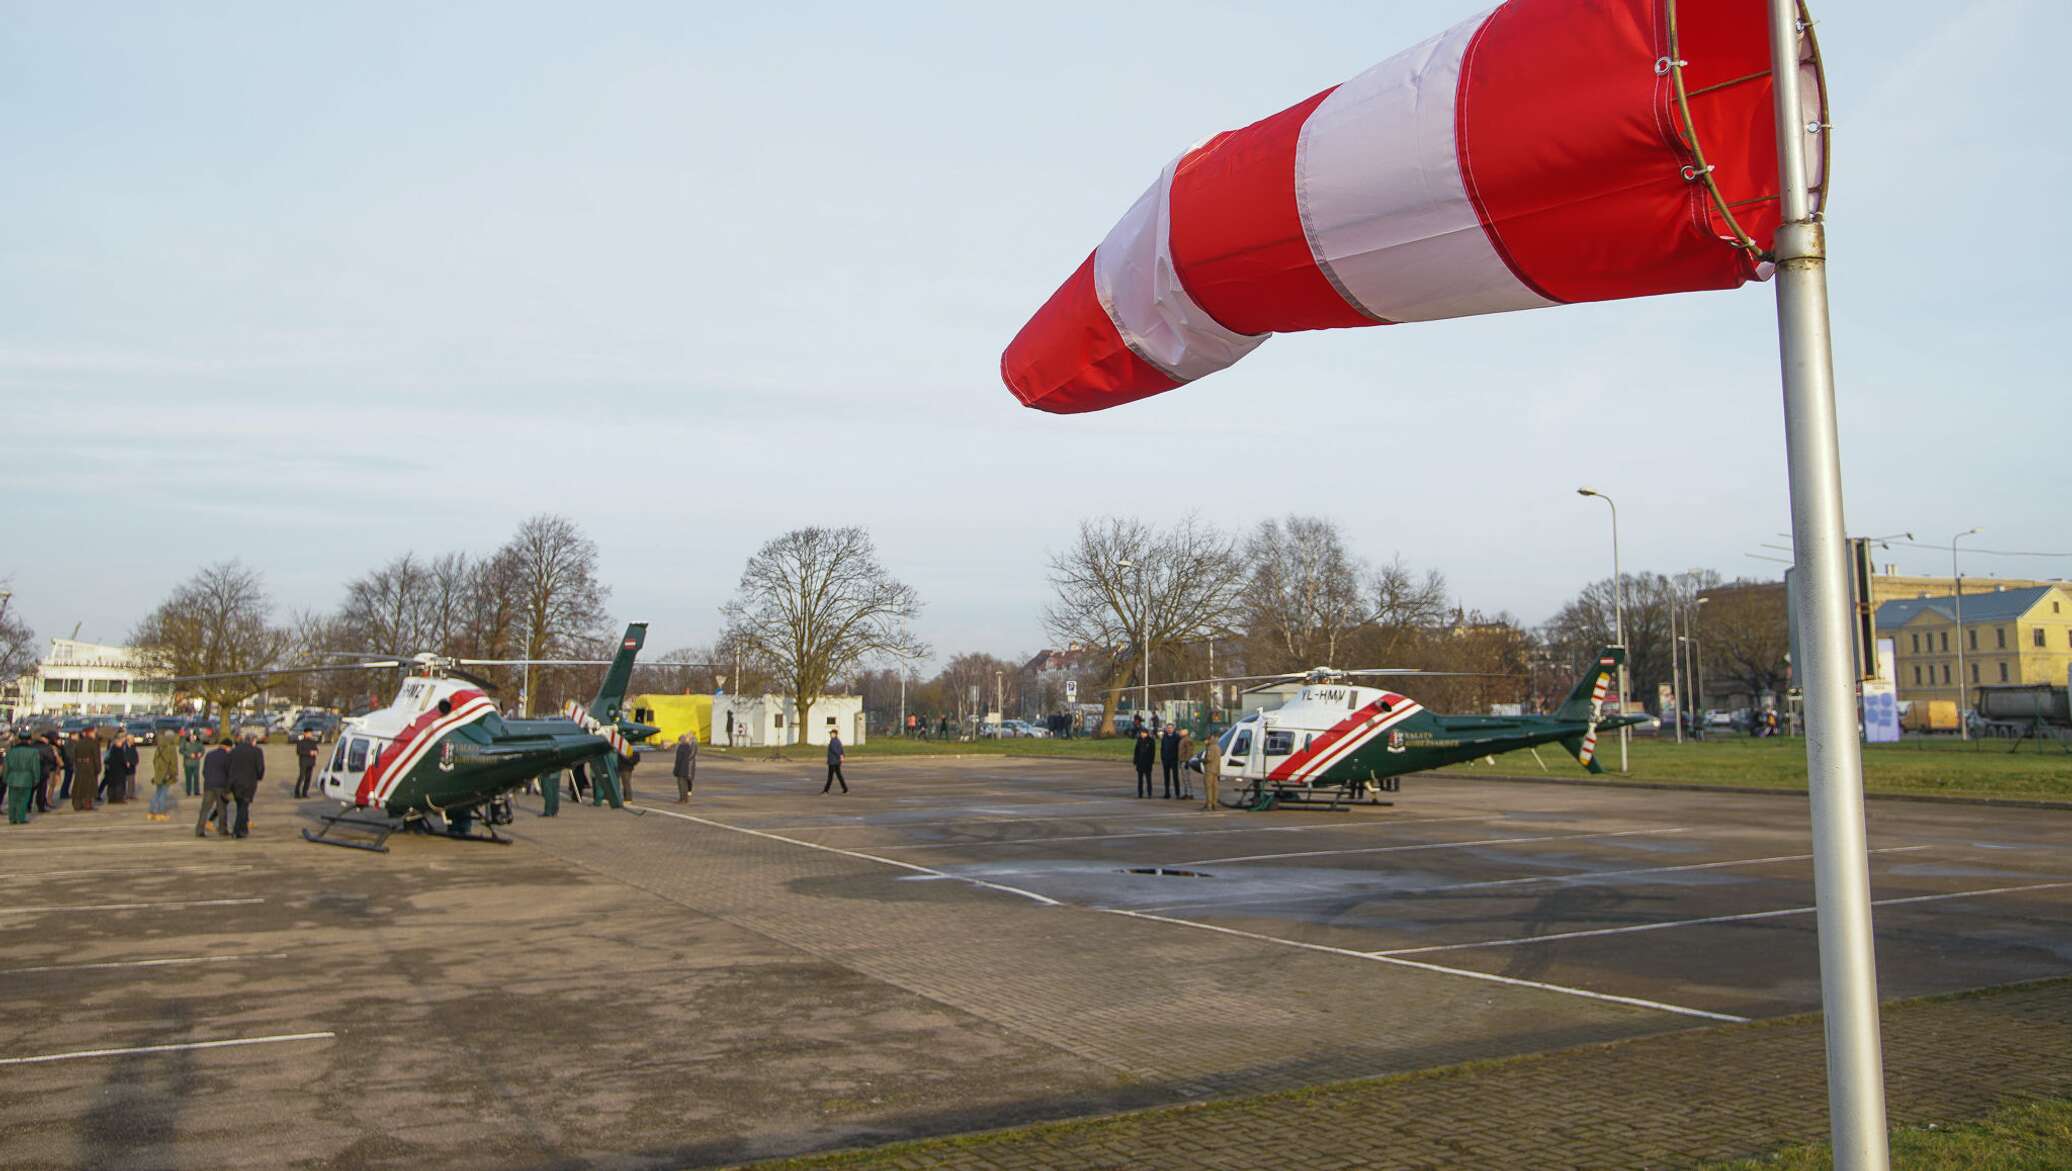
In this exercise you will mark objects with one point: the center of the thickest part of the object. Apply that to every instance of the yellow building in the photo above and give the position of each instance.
(2010, 635)
(673, 715)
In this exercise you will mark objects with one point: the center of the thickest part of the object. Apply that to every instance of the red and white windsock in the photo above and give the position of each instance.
(1547, 151)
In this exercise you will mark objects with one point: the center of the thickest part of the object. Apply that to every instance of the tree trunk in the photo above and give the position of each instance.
(799, 705)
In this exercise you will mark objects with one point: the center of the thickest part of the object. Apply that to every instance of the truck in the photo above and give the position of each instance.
(1930, 715)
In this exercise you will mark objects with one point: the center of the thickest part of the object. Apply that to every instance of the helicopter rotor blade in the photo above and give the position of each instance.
(532, 662)
(305, 669)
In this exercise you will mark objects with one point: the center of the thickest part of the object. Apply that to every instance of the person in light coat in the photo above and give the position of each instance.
(686, 769)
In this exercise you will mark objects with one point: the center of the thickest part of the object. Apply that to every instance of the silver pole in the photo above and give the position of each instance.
(1675, 681)
(1618, 618)
(1963, 683)
(1834, 758)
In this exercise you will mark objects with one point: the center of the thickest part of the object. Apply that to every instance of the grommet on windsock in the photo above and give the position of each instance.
(1546, 152)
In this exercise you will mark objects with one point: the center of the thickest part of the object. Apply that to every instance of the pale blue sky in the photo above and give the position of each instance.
(314, 285)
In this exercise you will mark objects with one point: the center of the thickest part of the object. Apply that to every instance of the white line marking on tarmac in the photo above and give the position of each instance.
(128, 906)
(1593, 875)
(1632, 1001)
(74, 849)
(1624, 833)
(1013, 890)
(121, 870)
(275, 1040)
(959, 821)
(1741, 918)
(1195, 833)
(176, 961)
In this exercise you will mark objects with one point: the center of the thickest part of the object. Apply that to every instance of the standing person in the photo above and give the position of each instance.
(86, 769)
(24, 765)
(1185, 750)
(215, 790)
(550, 794)
(165, 769)
(305, 761)
(192, 748)
(119, 768)
(834, 763)
(730, 727)
(686, 768)
(1169, 761)
(53, 764)
(628, 761)
(247, 769)
(1143, 755)
(65, 746)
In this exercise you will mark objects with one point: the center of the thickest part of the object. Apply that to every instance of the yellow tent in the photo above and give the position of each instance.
(673, 715)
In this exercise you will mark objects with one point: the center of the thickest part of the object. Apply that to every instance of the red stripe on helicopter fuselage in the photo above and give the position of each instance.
(1343, 737)
(408, 748)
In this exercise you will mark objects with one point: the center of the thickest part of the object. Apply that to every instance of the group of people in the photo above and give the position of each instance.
(45, 772)
(1168, 749)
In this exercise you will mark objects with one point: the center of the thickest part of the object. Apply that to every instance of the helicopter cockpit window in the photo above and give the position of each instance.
(1280, 743)
(356, 756)
(338, 757)
(1242, 746)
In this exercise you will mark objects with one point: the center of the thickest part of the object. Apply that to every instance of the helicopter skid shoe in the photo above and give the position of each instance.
(379, 831)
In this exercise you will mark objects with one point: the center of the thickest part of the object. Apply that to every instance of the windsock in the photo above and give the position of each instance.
(1545, 152)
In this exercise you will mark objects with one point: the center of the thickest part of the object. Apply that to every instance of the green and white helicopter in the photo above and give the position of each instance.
(1343, 743)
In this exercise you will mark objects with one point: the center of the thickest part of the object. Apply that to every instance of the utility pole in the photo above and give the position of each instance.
(1618, 619)
(1834, 756)
(1675, 682)
(1963, 681)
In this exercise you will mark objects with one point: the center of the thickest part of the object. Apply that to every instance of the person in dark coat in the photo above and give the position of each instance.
(53, 764)
(65, 747)
(1144, 755)
(86, 769)
(834, 763)
(1169, 760)
(305, 761)
(247, 769)
(119, 768)
(628, 761)
(215, 790)
(686, 768)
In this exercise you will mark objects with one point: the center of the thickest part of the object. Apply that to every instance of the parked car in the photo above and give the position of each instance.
(143, 728)
(258, 725)
(324, 724)
(73, 725)
(1014, 729)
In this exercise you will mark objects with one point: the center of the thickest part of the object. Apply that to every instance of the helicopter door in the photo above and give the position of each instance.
(1238, 757)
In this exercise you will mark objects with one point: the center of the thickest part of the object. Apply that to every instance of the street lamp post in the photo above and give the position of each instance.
(1697, 660)
(1675, 677)
(1963, 683)
(1618, 616)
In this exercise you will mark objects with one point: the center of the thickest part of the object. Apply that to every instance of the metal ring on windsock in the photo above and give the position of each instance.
(1535, 155)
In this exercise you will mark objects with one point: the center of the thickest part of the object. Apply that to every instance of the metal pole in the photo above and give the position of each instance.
(1144, 634)
(1618, 618)
(1697, 654)
(1675, 680)
(1963, 683)
(1834, 758)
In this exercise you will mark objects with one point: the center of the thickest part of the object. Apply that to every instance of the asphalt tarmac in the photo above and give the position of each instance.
(957, 944)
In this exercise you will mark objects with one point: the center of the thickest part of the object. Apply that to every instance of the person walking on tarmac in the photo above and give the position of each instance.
(165, 769)
(86, 769)
(192, 748)
(1169, 760)
(247, 769)
(24, 768)
(215, 791)
(1144, 755)
(686, 769)
(834, 763)
(305, 761)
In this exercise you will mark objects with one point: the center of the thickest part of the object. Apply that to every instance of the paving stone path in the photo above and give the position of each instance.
(1666, 1101)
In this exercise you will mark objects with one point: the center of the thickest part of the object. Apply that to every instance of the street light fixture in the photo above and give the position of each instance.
(1618, 616)
(1957, 586)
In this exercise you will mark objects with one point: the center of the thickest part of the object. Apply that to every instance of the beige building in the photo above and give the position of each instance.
(2011, 634)
(85, 678)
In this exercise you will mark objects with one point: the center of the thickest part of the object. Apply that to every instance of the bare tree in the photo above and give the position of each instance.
(385, 610)
(17, 641)
(995, 679)
(1305, 593)
(815, 602)
(216, 623)
(1125, 585)
(1404, 603)
(1747, 638)
(553, 588)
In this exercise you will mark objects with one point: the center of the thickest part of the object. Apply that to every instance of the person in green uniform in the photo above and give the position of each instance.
(605, 785)
(192, 749)
(24, 766)
(550, 794)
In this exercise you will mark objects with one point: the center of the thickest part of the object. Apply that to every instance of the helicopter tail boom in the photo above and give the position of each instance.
(611, 694)
(1586, 702)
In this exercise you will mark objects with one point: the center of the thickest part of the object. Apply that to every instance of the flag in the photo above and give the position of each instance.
(1545, 152)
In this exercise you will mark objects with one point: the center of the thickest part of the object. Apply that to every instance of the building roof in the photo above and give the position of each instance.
(1984, 606)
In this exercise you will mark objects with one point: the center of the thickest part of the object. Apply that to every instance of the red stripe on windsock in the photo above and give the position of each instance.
(1069, 358)
(1541, 89)
(1238, 241)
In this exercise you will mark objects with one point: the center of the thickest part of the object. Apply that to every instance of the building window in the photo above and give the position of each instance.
(1971, 639)
(1946, 642)
(1917, 674)
(2003, 672)
(2000, 637)
(1946, 673)
(2036, 638)
(1974, 672)
(1917, 644)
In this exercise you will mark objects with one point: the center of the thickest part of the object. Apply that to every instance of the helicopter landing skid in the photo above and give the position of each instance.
(379, 829)
(1260, 797)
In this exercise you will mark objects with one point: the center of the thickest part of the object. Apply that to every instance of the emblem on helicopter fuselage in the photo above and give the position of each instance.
(1395, 743)
(446, 757)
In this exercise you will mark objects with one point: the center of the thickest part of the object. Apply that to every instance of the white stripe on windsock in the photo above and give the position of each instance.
(1378, 181)
(1138, 287)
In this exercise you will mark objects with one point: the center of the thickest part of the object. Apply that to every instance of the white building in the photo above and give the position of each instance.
(87, 678)
(771, 721)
